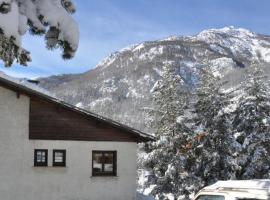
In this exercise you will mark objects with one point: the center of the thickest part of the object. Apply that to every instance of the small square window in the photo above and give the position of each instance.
(41, 157)
(59, 158)
(104, 163)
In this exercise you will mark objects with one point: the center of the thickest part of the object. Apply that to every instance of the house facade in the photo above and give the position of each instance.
(52, 150)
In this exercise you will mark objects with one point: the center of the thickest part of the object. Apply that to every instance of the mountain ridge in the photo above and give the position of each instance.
(119, 87)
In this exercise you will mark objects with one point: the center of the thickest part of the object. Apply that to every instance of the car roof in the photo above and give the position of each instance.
(241, 184)
(257, 189)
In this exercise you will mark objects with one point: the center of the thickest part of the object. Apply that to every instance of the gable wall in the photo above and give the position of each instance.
(46, 119)
(20, 180)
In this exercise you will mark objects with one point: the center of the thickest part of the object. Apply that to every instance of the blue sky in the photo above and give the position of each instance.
(109, 25)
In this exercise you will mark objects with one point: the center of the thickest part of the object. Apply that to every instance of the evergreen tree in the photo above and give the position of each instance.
(251, 125)
(165, 156)
(51, 18)
(213, 145)
(169, 97)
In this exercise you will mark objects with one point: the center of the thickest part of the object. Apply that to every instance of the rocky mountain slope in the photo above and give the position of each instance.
(119, 87)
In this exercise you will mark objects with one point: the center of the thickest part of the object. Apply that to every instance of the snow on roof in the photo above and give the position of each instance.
(241, 184)
(32, 89)
(25, 83)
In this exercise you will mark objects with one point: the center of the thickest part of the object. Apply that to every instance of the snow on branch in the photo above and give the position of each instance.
(51, 18)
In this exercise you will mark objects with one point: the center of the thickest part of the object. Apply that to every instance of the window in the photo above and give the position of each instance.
(210, 197)
(41, 157)
(104, 163)
(59, 158)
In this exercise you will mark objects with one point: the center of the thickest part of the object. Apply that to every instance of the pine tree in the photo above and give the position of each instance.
(166, 93)
(214, 144)
(165, 156)
(251, 125)
(41, 17)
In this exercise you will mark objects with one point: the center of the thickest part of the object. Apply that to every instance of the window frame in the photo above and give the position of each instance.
(103, 173)
(41, 164)
(58, 164)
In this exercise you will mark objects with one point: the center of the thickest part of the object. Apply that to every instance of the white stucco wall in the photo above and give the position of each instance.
(20, 180)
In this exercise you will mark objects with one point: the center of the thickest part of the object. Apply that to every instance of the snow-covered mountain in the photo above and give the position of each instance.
(120, 85)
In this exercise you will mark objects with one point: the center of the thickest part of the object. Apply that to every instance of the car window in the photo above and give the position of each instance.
(210, 197)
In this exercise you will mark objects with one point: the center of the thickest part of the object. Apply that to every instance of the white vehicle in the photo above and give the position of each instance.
(236, 190)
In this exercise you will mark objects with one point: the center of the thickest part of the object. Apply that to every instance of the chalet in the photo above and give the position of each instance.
(52, 150)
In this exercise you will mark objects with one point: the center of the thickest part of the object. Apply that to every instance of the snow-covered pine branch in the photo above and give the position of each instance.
(51, 18)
